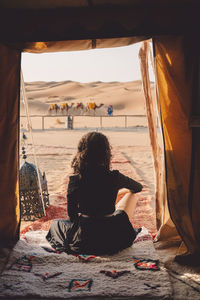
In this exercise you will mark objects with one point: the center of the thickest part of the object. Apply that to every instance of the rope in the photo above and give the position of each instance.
(30, 130)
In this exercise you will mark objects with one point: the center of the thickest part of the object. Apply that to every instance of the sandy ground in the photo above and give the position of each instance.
(55, 149)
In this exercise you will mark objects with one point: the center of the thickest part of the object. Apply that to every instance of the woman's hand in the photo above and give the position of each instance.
(121, 193)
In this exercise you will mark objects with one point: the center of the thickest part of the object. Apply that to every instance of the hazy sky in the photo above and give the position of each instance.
(110, 64)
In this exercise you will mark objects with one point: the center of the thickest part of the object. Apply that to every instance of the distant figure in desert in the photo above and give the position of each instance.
(98, 223)
(110, 110)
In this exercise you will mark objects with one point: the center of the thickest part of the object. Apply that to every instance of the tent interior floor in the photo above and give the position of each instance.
(185, 280)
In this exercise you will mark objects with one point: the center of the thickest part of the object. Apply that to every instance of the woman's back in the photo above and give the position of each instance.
(96, 191)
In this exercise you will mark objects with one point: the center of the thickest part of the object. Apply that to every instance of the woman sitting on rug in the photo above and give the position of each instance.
(96, 225)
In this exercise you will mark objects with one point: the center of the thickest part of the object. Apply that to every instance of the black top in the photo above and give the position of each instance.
(94, 194)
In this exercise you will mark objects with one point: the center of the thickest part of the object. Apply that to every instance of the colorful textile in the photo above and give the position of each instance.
(85, 257)
(114, 274)
(51, 250)
(146, 264)
(91, 105)
(80, 285)
(44, 280)
(143, 238)
(47, 275)
(23, 263)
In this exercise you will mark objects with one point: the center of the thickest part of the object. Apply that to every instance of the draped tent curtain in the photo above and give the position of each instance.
(177, 66)
(10, 61)
(71, 45)
(151, 108)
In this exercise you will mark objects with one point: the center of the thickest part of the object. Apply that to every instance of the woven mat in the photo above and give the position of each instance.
(33, 271)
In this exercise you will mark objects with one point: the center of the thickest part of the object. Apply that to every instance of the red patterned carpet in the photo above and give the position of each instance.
(144, 214)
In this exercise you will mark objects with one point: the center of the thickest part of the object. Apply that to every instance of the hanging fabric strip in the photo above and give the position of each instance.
(152, 118)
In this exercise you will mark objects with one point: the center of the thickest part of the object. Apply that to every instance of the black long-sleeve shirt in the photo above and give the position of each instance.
(94, 194)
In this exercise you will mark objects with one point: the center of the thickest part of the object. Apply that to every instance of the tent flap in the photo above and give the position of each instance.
(9, 132)
(59, 46)
(177, 64)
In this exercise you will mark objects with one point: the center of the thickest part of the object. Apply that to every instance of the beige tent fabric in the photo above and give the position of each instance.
(9, 132)
(59, 46)
(175, 64)
(152, 120)
(167, 231)
(166, 228)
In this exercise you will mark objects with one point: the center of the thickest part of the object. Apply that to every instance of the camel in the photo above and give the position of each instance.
(54, 108)
(65, 107)
(80, 105)
(92, 107)
(80, 108)
(99, 106)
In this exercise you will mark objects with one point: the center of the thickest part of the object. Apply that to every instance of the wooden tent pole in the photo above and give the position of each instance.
(156, 149)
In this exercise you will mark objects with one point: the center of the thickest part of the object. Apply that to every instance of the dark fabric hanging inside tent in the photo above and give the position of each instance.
(9, 137)
(66, 25)
(61, 20)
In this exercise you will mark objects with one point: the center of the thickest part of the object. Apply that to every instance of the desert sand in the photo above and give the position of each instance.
(126, 97)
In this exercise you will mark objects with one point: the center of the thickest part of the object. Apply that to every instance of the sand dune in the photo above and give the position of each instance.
(126, 97)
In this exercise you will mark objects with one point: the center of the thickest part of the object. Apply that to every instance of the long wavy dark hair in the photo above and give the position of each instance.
(93, 150)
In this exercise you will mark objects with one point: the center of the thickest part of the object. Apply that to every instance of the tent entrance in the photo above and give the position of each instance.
(55, 155)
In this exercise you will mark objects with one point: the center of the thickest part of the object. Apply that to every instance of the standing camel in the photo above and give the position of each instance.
(54, 108)
(92, 106)
(65, 107)
(98, 106)
(81, 109)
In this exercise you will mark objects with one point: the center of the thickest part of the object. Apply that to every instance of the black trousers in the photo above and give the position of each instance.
(93, 235)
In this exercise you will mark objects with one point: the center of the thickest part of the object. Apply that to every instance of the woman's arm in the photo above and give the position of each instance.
(72, 207)
(72, 199)
(121, 193)
(128, 183)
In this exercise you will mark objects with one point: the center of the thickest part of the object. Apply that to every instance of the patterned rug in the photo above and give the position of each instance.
(36, 270)
(144, 213)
